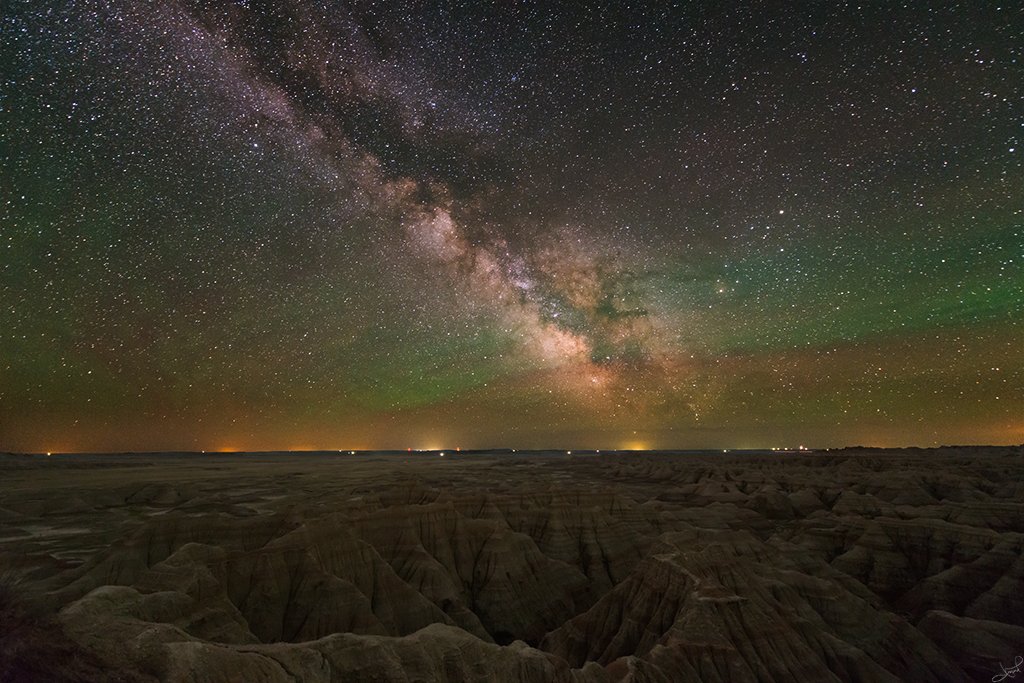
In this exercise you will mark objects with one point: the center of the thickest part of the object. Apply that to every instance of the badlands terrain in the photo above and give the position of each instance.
(851, 565)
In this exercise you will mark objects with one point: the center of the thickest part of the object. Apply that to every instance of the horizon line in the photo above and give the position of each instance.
(504, 450)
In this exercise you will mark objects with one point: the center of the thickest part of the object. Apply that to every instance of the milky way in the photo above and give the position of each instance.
(260, 225)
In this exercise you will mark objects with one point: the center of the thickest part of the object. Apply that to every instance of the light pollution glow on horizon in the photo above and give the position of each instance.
(261, 226)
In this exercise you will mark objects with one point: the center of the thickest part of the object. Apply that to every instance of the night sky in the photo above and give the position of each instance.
(340, 225)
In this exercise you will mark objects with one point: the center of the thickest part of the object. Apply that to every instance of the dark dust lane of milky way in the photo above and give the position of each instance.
(843, 565)
(345, 224)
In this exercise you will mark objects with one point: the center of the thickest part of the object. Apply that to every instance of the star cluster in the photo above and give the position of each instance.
(310, 224)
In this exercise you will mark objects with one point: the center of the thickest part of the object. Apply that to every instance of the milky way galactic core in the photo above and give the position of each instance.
(341, 225)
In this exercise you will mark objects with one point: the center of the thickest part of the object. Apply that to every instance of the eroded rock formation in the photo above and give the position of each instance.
(838, 566)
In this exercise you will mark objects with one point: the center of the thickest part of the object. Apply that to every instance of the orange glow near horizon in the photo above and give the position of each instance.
(118, 436)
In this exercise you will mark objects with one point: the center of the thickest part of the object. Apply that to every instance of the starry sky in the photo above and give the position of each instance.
(231, 224)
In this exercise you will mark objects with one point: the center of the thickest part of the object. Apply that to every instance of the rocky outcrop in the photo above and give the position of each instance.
(724, 606)
(154, 647)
